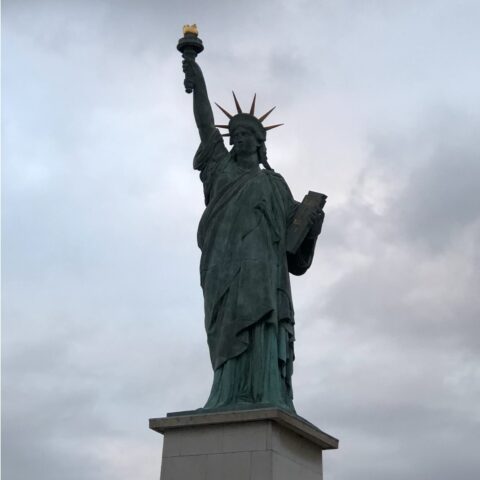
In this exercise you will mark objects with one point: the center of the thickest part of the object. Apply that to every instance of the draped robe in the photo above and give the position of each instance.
(244, 271)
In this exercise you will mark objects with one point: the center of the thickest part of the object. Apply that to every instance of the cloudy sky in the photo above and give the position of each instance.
(102, 309)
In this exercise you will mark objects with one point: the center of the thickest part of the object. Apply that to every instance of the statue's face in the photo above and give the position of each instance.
(244, 141)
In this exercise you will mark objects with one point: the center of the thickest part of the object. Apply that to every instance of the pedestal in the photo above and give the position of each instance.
(261, 444)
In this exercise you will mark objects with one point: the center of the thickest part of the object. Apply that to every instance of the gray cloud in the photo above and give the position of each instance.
(404, 317)
(103, 311)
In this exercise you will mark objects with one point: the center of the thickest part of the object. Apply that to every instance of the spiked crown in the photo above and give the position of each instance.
(246, 119)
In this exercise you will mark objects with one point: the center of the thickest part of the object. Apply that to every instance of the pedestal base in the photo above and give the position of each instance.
(262, 444)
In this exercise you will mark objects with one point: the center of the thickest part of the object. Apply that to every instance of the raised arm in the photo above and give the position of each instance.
(202, 109)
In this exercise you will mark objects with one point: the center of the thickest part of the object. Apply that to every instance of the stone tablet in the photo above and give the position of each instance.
(300, 226)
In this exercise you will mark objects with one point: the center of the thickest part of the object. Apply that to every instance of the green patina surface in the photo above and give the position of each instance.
(245, 267)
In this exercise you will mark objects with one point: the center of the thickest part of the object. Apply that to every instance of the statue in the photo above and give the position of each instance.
(252, 235)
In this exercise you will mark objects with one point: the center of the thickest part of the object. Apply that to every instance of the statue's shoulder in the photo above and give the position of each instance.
(211, 149)
(274, 176)
(278, 182)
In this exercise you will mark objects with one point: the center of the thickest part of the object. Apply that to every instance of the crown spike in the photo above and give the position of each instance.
(222, 126)
(224, 111)
(239, 110)
(263, 117)
(252, 108)
(274, 126)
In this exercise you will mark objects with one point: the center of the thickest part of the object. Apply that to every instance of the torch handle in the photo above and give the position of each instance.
(189, 54)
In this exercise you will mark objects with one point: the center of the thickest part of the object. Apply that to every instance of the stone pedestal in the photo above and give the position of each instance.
(261, 444)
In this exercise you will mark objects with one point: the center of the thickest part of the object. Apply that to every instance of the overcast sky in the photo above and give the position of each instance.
(102, 308)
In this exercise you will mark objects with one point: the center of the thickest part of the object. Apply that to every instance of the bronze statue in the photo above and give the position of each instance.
(252, 235)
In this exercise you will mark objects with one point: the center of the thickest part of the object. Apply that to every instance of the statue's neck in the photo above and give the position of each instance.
(247, 162)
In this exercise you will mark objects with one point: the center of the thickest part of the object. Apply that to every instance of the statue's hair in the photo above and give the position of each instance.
(262, 156)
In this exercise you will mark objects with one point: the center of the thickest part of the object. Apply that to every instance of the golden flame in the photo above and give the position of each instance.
(190, 29)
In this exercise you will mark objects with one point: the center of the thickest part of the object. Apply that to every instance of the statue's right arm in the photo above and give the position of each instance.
(202, 109)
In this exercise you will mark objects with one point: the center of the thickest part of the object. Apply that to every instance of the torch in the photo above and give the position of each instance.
(190, 46)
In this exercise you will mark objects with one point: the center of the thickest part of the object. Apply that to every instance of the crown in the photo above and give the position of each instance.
(250, 117)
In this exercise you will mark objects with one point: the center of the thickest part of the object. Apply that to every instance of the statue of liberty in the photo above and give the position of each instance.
(246, 260)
